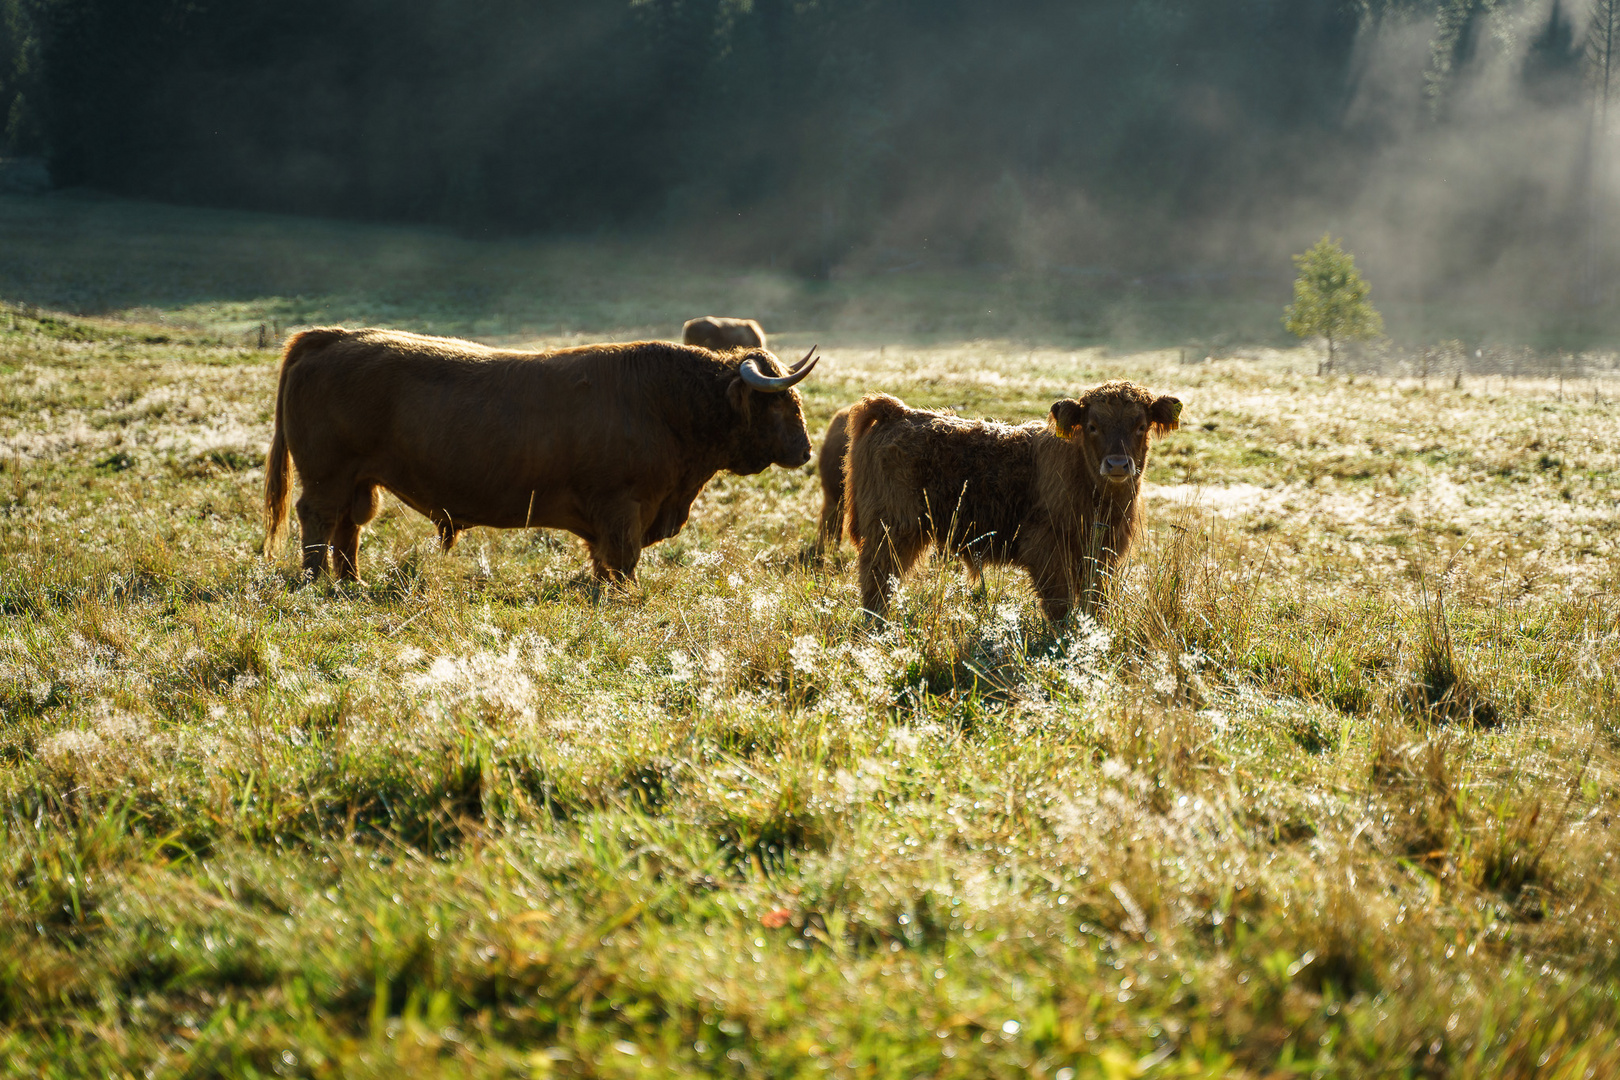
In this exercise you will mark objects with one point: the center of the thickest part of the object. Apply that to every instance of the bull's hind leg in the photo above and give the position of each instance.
(886, 556)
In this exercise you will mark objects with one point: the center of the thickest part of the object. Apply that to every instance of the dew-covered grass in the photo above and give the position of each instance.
(1328, 789)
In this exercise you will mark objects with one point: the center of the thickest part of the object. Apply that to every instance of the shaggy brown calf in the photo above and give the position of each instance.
(610, 442)
(1058, 499)
(714, 332)
(830, 465)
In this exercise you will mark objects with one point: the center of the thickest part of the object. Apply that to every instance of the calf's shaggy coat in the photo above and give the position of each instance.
(1058, 499)
(610, 442)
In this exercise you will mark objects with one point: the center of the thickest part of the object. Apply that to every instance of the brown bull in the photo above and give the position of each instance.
(610, 442)
(715, 332)
(1058, 499)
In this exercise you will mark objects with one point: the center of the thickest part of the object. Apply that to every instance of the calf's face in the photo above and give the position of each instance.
(1111, 426)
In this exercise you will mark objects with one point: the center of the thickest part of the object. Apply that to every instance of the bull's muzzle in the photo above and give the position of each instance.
(1118, 468)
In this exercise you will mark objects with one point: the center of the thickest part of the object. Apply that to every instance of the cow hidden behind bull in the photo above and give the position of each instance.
(610, 442)
(718, 332)
(830, 467)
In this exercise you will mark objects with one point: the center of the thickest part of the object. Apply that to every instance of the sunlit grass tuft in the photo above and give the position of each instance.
(1442, 689)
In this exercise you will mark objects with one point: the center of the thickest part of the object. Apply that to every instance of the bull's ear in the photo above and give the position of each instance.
(1165, 413)
(740, 398)
(1066, 416)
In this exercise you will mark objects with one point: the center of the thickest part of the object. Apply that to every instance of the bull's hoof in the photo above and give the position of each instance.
(599, 584)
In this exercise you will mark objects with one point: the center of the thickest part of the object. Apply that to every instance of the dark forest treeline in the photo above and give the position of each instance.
(827, 118)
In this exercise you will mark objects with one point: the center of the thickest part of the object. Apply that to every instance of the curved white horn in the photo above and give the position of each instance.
(774, 384)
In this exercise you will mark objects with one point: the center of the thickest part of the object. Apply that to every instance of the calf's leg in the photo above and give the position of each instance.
(1054, 585)
(888, 554)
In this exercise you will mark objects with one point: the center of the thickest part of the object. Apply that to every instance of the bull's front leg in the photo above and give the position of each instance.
(616, 546)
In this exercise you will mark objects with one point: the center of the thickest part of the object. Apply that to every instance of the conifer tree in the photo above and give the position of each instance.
(1330, 299)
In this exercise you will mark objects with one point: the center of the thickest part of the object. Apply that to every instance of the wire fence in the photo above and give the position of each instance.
(1455, 361)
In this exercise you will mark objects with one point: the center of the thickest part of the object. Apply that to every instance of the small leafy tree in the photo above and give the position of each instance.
(1330, 299)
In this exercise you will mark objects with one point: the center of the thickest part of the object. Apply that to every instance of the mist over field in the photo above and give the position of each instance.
(1462, 149)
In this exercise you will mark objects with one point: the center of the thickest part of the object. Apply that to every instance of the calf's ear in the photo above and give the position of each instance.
(1066, 416)
(1165, 414)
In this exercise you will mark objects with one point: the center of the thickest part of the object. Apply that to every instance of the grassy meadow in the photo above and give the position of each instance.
(1329, 789)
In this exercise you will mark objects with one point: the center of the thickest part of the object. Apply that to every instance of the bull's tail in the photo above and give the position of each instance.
(278, 462)
(864, 415)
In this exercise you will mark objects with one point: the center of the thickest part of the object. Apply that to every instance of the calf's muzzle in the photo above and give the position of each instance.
(1118, 467)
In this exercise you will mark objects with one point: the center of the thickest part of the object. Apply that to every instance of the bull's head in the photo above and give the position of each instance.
(1110, 425)
(772, 431)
